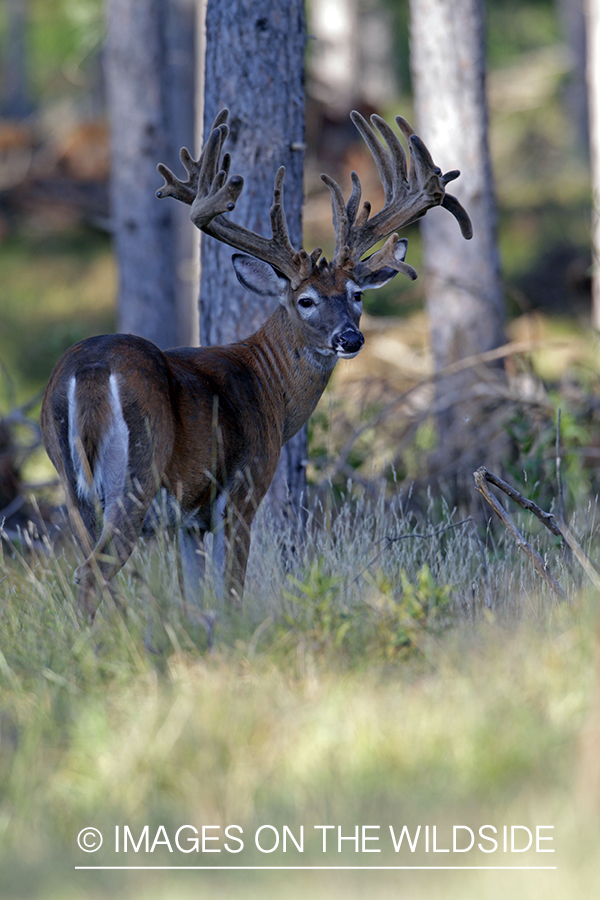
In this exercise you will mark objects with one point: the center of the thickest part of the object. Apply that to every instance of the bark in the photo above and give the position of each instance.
(16, 103)
(593, 73)
(572, 16)
(463, 288)
(181, 112)
(142, 92)
(255, 67)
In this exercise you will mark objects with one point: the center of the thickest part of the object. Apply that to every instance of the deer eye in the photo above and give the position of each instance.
(306, 302)
(357, 297)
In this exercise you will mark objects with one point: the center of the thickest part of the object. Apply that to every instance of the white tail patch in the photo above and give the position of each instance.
(107, 481)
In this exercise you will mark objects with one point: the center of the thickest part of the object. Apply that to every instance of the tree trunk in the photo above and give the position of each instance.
(463, 289)
(181, 112)
(141, 81)
(15, 100)
(593, 73)
(255, 67)
(572, 16)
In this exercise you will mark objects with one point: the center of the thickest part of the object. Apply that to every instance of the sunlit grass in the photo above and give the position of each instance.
(357, 686)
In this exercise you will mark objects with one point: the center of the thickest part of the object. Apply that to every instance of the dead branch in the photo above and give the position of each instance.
(555, 524)
(579, 554)
(545, 518)
(561, 495)
(482, 476)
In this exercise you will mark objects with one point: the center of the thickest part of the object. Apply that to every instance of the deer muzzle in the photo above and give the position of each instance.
(347, 343)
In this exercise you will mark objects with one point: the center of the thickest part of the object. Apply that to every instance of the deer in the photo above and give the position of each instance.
(124, 422)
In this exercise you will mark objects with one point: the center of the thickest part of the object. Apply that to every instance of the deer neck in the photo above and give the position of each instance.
(298, 373)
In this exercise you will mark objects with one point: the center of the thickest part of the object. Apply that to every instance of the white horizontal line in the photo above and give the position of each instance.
(325, 868)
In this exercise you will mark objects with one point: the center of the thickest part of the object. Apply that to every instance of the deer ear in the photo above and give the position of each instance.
(367, 279)
(258, 276)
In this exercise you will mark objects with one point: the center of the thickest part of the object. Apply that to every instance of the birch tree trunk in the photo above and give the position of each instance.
(255, 67)
(463, 289)
(593, 75)
(142, 90)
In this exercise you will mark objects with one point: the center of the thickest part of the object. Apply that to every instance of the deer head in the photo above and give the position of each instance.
(323, 298)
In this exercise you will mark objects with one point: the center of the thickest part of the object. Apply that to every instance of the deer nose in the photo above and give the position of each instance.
(347, 343)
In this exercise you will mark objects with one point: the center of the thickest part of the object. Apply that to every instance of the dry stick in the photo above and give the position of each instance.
(556, 525)
(561, 496)
(580, 555)
(481, 478)
(545, 518)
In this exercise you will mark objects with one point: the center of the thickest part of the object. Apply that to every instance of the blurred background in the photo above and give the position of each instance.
(59, 275)
(369, 679)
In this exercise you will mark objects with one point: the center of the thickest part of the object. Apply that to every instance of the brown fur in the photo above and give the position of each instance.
(199, 421)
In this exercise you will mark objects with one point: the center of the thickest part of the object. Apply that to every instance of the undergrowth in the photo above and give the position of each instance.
(365, 680)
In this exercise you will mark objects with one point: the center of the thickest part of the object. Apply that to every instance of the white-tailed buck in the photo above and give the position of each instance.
(122, 420)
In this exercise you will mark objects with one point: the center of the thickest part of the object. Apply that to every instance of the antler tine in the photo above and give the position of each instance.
(340, 220)
(409, 192)
(378, 152)
(297, 265)
(208, 162)
(173, 187)
(208, 189)
(279, 228)
(460, 214)
(396, 150)
(422, 165)
(211, 191)
(354, 201)
(405, 127)
(220, 118)
(387, 257)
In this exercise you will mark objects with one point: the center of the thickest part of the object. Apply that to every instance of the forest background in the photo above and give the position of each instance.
(394, 672)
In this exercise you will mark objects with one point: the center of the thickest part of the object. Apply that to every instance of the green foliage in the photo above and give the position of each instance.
(61, 36)
(534, 446)
(335, 696)
(423, 607)
(316, 607)
(54, 291)
(514, 28)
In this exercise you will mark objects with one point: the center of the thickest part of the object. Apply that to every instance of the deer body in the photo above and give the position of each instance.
(122, 420)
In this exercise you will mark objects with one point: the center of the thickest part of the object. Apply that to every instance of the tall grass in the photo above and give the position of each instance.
(366, 681)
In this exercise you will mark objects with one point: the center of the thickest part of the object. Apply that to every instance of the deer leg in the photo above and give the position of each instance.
(237, 524)
(83, 517)
(191, 564)
(123, 521)
(231, 545)
(237, 541)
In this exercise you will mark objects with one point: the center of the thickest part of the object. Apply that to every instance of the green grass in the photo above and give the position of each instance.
(356, 687)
